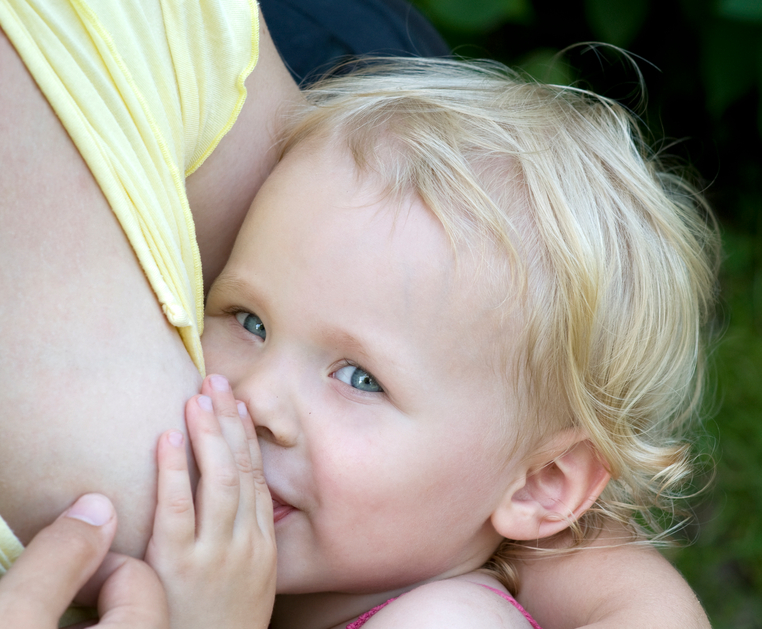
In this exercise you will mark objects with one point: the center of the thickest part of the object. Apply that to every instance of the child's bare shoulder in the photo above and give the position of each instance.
(457, 603)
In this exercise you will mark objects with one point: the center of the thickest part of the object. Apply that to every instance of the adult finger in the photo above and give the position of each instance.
(132, 596)
(56, 564)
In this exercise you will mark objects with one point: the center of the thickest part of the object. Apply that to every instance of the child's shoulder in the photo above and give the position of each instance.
(472, 600)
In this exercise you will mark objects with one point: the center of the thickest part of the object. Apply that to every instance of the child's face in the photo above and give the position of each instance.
(326, 300)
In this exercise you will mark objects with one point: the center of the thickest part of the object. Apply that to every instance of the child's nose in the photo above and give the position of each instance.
(270, 403)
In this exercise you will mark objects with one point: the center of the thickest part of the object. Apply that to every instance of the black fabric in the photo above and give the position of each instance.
(313, 35)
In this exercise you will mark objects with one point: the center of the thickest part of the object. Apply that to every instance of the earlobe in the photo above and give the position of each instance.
(562, 481)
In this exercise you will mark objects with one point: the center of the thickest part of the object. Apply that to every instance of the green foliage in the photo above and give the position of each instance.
(616, 21)
(476, 15)
(725, 563)
(728, 63)
(545, 65)
(729, 34)
(745, 10)
(759, 82)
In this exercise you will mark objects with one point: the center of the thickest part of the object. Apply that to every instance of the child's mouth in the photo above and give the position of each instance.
(280, 509)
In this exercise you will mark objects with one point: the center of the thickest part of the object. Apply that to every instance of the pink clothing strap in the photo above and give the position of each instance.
(369, 614)
(516, 604)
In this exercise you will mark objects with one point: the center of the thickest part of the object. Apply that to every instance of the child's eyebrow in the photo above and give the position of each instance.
(230, 284)
(341, 339)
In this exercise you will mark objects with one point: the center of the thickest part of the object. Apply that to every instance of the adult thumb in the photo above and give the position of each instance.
(56, 564)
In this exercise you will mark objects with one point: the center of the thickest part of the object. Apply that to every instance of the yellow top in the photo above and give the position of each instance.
(146, 89)
(10, 547)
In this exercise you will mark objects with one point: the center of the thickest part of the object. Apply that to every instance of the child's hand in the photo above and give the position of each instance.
(216, 557)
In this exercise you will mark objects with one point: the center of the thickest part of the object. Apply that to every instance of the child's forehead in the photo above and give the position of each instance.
(478, 264)
(319, 196)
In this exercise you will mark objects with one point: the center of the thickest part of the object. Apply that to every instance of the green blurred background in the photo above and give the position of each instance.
(702, 64)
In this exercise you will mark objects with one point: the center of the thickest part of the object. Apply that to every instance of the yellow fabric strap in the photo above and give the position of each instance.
(146, 89)
(10, 547)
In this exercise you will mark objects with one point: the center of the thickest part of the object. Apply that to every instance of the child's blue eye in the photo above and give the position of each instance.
(252, 323)
(359, 379)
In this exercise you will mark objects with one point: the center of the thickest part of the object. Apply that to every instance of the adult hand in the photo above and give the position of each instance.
(71, 553)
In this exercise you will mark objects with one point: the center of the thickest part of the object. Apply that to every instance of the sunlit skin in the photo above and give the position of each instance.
(369, 363)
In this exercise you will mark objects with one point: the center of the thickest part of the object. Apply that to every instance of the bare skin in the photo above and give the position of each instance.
(90, 367)
(625, 586)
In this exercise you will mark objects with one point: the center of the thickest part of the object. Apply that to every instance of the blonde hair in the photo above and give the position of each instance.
(617, 254)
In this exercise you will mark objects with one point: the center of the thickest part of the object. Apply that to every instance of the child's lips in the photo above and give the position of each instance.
(280, 508)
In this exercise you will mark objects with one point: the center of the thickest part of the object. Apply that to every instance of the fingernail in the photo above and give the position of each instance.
(94, 509)
(176, 438)
(241, 409)
(204, 402)
(219, 383)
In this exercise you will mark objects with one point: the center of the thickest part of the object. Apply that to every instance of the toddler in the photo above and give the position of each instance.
(465, 314)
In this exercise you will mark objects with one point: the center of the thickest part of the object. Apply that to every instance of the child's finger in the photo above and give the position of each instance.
(217, 495)
(264, 504)
(228, 412)
(255, 501)
(174, 522)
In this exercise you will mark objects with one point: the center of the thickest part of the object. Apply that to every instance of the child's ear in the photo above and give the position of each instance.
(562, 481)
